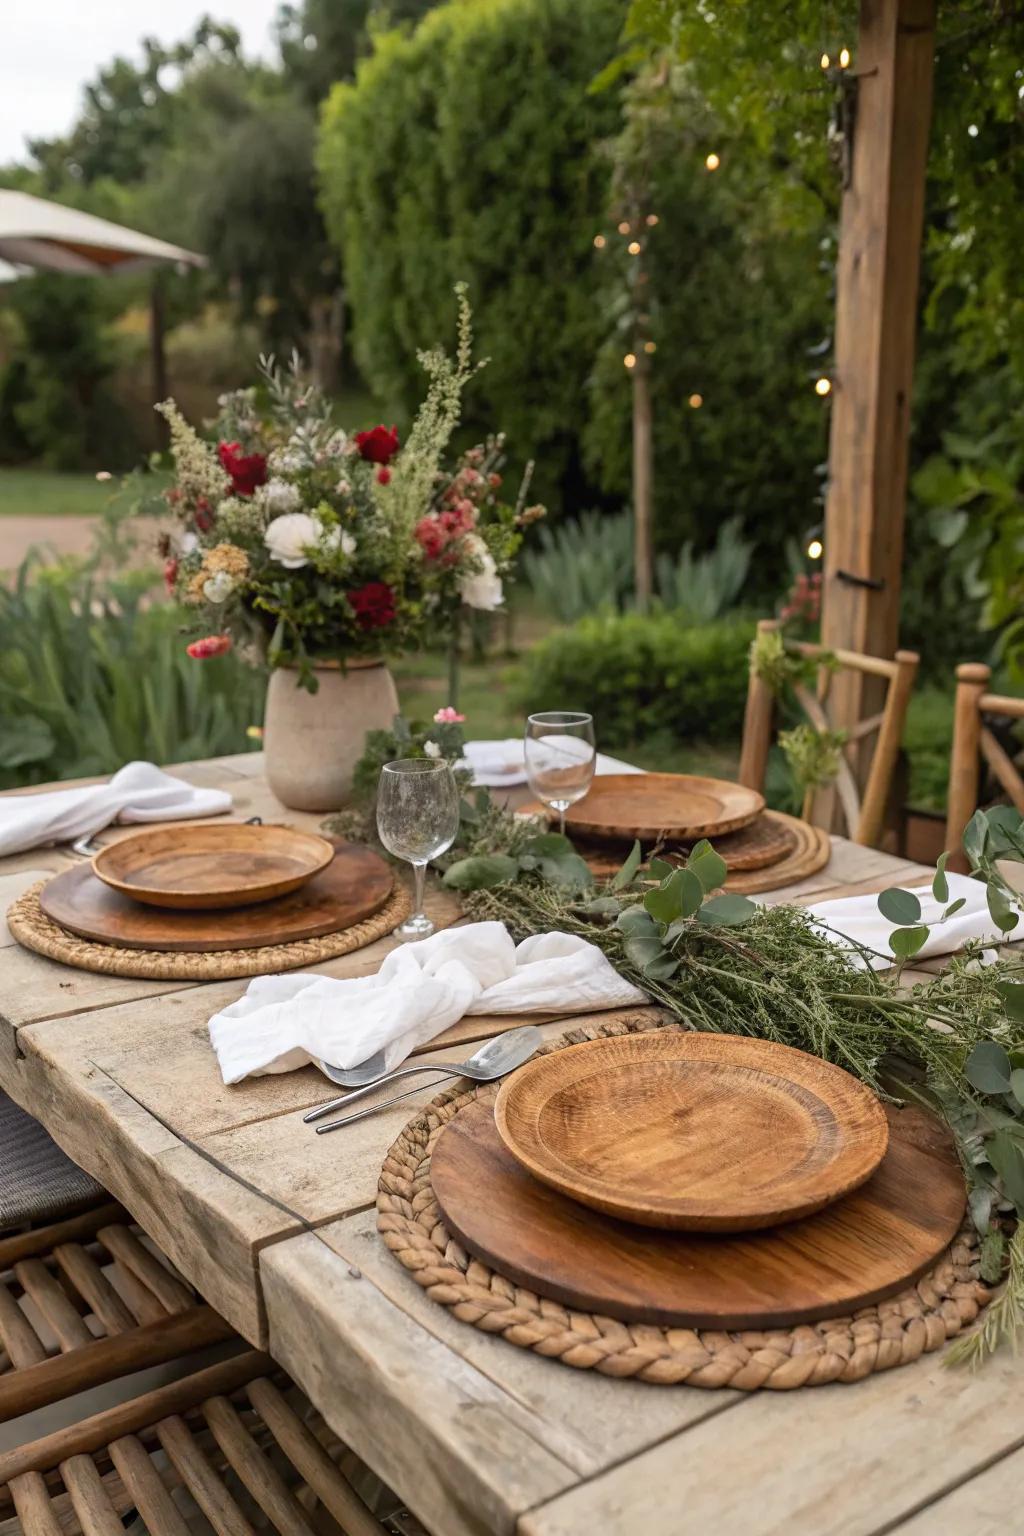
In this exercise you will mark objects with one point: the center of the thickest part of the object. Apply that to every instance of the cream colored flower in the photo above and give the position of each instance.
(218, 587)
(291, 538)
(481, 588)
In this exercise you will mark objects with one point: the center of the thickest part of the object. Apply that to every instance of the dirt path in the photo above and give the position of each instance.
(62, 535)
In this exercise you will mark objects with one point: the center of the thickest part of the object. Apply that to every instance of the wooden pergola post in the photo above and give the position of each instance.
(876, 319)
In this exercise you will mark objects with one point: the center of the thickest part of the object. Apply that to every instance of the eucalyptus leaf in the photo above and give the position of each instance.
(660, 869)
(975, 838)
(1005, 832)
(1012, 994)
(899, 906)
(940, 885)
(480, 872)
(1007, 1158)
(987, 1068)
(548, 845)
(1003, 915)
(567, 870)
(635, 920)
(728, 910)
(954, 907)
(709, 866)
(662, 968)
(905, 942)
(627, 874)
(665, 902)
(1017, 1085)
(643, 948)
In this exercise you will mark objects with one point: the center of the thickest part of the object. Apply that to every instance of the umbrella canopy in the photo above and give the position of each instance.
(51, 238)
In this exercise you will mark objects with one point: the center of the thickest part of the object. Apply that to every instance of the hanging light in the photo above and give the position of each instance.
(651, 220)
(629, 361)
(634, 247)
(823, 386)
(826, 62)
(624, 227)
(844, 58)
(695, 402)
(650, 346)
(712, 162)
(600, 242)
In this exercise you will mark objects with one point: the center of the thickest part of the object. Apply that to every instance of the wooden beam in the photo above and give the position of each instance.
(876, 317)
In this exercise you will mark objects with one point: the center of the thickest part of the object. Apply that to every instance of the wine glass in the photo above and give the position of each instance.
(417, 819)
(560, 758)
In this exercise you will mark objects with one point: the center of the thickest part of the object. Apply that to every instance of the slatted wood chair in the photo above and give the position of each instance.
(974, 743)
(864, 816)
(237, 1440)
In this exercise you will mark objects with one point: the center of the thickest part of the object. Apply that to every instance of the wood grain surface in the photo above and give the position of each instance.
(697, 1132)
(858, 1251)
(200, 866)
(355, 884)
(660, 805)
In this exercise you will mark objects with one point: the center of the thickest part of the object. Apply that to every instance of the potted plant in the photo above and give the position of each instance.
(321, 554)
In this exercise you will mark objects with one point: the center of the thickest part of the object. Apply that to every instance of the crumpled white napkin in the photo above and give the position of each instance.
(502, 764)
(283, 1022)
(137, 792)
(858, 918)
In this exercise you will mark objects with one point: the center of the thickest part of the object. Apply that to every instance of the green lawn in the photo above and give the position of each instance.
(48, 493)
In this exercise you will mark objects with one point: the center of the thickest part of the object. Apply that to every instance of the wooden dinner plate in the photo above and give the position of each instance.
(698, 1132)
(354, 885)
(200, 866)
(858, 1251)
(679, 806)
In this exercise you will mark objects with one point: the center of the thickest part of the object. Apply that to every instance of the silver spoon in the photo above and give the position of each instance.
(369, 1071)
(492, 1060)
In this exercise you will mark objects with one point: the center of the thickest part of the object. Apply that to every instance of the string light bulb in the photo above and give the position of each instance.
(629, 361)
(712, 162)
(634, 247)
(826, 62)
(823, 387)
(844, 58)
(600, 242)
(650, 346)
(651, 220)
(624, 227)
(695, 402)
(815, 549)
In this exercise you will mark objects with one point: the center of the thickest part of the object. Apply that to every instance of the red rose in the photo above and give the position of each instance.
(247, 470)
(374, 605)
(383, 476)
(379, 445)
(210, 645)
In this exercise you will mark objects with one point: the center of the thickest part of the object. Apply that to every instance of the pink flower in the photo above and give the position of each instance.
(170, 573)
(210, 645)
(448, 716)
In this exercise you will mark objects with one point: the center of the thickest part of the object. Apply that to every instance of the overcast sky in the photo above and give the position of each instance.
(52, 48)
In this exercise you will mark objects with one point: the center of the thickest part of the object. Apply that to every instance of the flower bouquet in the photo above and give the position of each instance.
(319, 553)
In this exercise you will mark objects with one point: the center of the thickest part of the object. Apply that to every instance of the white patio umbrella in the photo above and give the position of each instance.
(36, 235)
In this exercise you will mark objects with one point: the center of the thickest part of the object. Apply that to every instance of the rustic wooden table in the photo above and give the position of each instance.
(276, 1228)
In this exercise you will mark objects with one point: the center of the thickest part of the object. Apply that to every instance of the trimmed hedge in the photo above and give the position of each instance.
(645, 675)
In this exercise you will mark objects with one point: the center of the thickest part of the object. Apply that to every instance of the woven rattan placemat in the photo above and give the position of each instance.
(841, 1349)
(32, 928)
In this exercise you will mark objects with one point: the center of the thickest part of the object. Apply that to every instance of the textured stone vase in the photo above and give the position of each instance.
(312, 741)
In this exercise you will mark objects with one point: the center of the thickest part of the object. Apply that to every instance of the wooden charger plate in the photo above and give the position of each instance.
(355, 884)
(202, 867)
(680, 806)
(858, 1251)
(698, 1132)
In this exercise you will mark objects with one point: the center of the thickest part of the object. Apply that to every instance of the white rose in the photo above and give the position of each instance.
(218, 587)
(290, 538)
(432, 749)
(279, 497)
(187, 543)
(348, 542)
(481, 588)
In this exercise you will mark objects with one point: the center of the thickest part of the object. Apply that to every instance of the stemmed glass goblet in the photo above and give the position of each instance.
(560, 757)
(417, 819)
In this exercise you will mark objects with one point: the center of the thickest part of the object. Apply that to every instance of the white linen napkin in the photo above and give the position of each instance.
(502, 764)
(858, 918)
(283, 1022)
(137, 792)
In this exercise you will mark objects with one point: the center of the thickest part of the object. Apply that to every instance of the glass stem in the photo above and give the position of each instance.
(419, 875)
(561, 820)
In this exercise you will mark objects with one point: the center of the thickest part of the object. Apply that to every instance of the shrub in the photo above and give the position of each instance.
(641, 675)
(581, 565)
(91, 677)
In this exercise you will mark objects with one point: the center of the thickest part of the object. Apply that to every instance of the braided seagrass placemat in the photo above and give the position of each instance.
(842, 1349)
(32, 928)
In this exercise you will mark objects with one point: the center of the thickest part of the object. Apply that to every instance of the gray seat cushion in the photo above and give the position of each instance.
(38, 1182)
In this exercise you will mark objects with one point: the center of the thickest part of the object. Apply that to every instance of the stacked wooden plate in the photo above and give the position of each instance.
(697, 1180)
(202, 888)
(670, 812)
